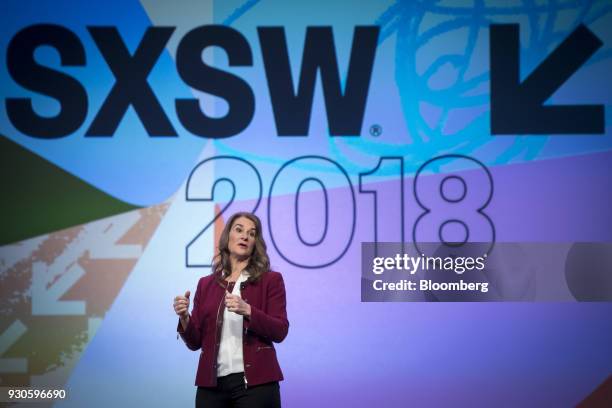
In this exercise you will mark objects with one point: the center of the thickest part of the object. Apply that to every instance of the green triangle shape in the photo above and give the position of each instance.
(39, 197)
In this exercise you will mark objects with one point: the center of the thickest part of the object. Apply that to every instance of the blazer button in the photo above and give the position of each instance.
(248, 365)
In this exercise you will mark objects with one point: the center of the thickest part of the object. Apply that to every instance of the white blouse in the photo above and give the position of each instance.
(229, 359)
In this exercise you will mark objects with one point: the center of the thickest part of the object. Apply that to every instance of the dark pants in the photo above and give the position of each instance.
(230, 392)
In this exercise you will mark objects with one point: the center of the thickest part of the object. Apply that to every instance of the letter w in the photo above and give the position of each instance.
(344, 110)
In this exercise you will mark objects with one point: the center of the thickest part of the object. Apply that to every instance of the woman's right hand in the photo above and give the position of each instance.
(181, 305)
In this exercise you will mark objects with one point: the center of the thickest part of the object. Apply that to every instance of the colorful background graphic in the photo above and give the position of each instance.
(501, 107)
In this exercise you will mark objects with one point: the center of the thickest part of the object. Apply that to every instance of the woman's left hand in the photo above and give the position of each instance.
(234, 303)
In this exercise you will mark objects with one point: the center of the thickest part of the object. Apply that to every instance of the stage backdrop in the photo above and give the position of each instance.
(131, 130)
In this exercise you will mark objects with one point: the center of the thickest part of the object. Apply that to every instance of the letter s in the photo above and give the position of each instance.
(37, 78)
(233, 89)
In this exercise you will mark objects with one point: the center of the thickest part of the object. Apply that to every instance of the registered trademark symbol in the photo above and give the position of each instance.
(375, 130)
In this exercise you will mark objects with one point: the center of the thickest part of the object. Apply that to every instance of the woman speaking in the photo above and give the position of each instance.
(239, 311)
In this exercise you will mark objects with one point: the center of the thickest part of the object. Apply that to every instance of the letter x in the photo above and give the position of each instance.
(131, 86)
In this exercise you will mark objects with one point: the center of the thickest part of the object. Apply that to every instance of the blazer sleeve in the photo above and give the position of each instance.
(272, 324)
(192, 335)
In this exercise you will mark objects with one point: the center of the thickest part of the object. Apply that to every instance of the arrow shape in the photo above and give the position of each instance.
(7, 339)
(104, 234)
(518, 108)
(46, 302)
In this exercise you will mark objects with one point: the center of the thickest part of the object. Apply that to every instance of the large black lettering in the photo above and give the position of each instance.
(25, 71)
(205, 78)
(344, 111)
(131, 86)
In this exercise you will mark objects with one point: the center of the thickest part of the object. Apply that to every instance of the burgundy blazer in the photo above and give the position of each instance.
(268, 323)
